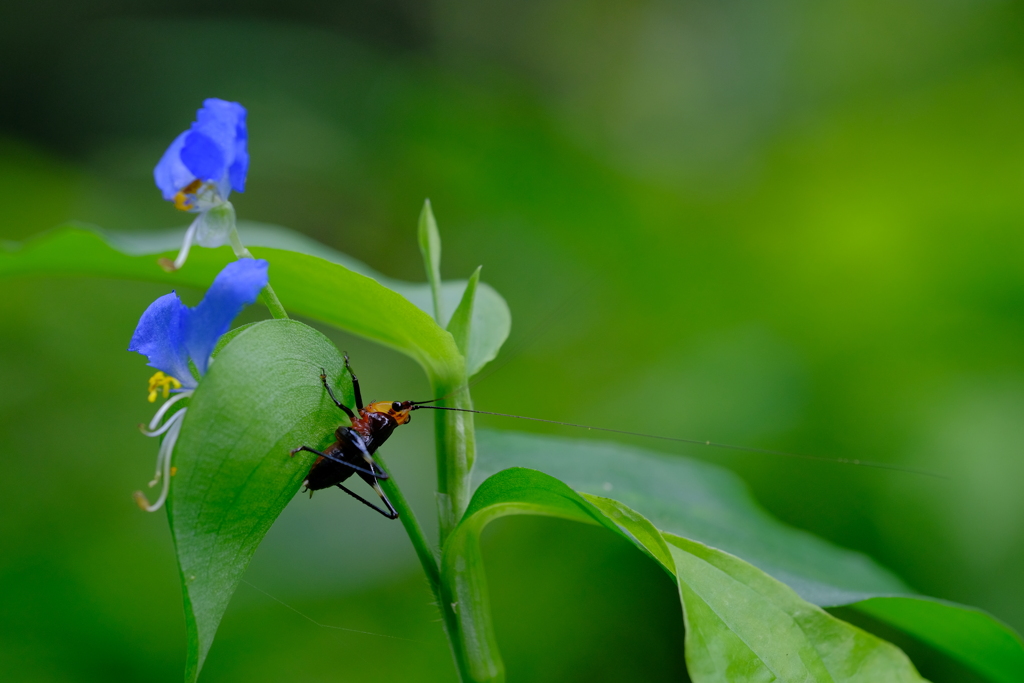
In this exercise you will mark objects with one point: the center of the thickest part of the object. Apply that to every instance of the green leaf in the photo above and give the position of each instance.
(643, 533)
(461, 324)
(971, 636)
(491, 322)
(708, 504)
(735, 603)
(261, 397)
(741, 624)
(696, 500)
(491, 317)
(306, 285)
(430, 247)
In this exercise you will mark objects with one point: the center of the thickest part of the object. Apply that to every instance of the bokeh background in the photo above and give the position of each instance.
(791, 225)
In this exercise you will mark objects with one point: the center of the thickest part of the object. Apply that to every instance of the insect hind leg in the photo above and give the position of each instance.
(376, 472)
(390, 513)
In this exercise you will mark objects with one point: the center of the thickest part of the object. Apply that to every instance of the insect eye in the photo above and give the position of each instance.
(396, 406)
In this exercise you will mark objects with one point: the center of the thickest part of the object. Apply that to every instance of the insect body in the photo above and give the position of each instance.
(352, 452)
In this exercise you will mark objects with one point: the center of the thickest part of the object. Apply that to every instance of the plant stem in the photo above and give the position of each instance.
(466, 621)
(272, 303)
(456, 453)
(477, 662)
(412, 527)
(428, 560)
(268, 295)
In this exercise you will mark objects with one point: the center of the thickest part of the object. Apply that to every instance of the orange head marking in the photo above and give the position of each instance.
(399, 410)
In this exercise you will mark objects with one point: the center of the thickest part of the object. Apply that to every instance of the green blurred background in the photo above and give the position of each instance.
(790, 225)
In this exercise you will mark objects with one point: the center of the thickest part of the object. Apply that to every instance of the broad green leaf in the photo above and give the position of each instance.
(261, 397)
(82, 250)
(731, 634)
(491, 317)
(643, 533)
(430, 247)
(971, 636)
(307, 285)
(461, 324)
(709, 504)
(696, 500)
(741, 624)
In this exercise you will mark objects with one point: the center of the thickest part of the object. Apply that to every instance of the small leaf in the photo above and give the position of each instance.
(261, 397)
(430, 247)
(461, 324)
(491, 322)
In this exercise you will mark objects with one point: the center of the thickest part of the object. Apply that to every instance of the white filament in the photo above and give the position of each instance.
(163, 461)
(186, 245)
(163, 411)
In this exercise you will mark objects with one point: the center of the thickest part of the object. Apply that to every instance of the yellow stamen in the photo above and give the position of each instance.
(174, 470)
(183, 200)
(159, 382)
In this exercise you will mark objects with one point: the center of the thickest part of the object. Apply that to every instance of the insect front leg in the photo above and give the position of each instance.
(330, 392)
(355, 385)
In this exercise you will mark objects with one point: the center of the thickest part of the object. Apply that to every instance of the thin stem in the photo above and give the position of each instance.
(428, 560)
(412, 527)
(272, 303)
(268, 295)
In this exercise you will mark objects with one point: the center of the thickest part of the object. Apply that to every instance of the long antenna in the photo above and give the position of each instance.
(522, 343)
(713, 444)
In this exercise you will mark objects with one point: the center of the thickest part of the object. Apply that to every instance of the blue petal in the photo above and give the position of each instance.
(238, 285)
(206, 160)
(170, 173)
(213, 150)
(220, 122)
(160, 337)
(240, 167)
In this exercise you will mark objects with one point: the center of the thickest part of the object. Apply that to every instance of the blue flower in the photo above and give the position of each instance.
(208, 160)
(175, 339)
(201, 168)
